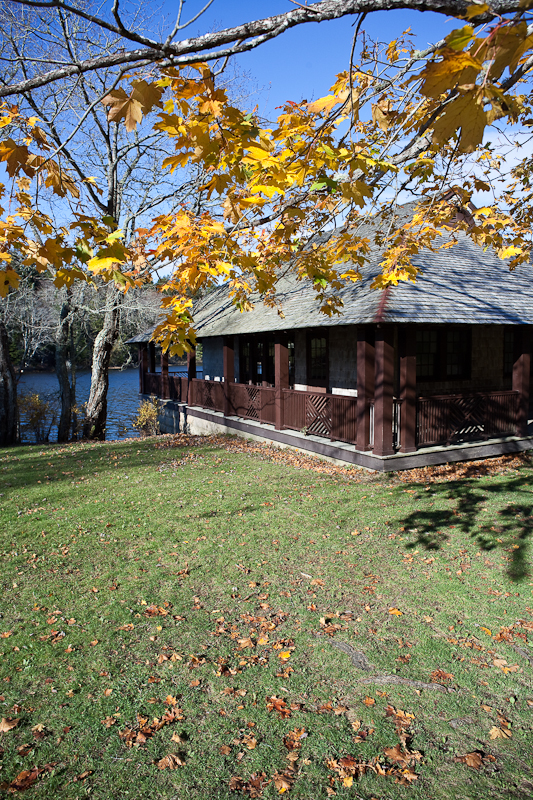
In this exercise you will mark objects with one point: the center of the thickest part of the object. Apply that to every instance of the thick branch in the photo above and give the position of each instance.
(230, 41)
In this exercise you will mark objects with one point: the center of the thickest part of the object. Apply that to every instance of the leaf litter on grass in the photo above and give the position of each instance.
(247, 619)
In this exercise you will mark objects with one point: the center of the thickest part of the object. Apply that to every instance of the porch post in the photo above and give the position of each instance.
(281, 373)
(521, 377)
(164, 376)
(228, 361)
(365, 385)
(191, 374)
(151, 357)
(143, 365)
(408, 390)
(384, 391)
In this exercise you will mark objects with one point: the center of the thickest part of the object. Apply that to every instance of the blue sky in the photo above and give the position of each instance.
(302, 62)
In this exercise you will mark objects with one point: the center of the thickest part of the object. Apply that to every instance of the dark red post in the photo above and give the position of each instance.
(408, 390)
(165, 393)
(191, 373)
(281, 374)
(365, 385)
(383, 398)
(521, 377)
(143, 365)
(228, 360)
(151, 357)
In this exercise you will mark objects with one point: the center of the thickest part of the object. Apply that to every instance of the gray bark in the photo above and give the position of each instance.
(67, 391)
(94, 426)
(222, 44)
(8, 393)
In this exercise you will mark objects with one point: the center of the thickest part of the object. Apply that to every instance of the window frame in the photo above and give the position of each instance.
(323, 382)
(443, 366)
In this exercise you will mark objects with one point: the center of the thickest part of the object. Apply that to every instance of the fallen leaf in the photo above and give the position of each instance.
(278, 704)
(170, 700)
(474, 760)
(439, 675)
(396, 612)
(8, 724)
(282, 781)
(500, 733)
(250, 741)
(172, 761)
(402, 757)
(108, 721)
(369, 701)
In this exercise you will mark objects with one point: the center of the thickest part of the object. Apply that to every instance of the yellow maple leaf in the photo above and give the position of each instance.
(455, 67)
(122, 107)
(466, 113)
(323, 104)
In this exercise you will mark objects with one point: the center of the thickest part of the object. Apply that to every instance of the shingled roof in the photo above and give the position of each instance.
(462, 284)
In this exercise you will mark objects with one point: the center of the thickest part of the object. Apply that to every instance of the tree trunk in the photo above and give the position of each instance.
(8, 393)
(73, 355)
(67, 391)
(94, 426)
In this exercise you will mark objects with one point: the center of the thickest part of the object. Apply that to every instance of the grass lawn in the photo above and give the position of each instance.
(203, 618)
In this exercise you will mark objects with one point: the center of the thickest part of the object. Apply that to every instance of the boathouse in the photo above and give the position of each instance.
(417, 374)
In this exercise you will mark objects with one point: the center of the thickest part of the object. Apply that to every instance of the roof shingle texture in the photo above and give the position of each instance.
(461, 284)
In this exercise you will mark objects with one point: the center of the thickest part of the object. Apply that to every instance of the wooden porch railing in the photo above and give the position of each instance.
(329, 415)
(177, 388)
(445, 419)
(441, 420)
(207, 394)
(253, 402)
(152, 383)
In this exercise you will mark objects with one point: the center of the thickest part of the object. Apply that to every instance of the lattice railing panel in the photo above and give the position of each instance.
(456, 418)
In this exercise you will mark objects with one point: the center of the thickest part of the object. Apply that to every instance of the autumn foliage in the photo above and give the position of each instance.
(400, 124)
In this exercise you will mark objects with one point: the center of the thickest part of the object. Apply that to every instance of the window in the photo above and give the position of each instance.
(457, 354)
(427, 351)
(291, 362)
(317, 359)
(443, 354)
(257, 359)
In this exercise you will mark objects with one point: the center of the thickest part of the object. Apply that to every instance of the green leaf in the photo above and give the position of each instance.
(460, 37)
(83, 251)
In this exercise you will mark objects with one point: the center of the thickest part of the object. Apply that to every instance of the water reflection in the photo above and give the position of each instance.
(122, 399)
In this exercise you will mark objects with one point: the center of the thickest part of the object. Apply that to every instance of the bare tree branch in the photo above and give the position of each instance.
(220, 44)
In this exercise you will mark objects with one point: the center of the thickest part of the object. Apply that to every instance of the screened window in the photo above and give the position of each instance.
(443, 354)
(318, 365)
(291, 362)
(427, 351)
(457, 354)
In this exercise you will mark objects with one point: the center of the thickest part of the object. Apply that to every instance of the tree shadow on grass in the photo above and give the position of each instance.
(508, 523)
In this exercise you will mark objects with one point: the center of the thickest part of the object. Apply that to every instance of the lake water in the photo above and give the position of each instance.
(122, 399)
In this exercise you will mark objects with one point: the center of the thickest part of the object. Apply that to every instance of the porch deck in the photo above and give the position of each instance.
(202, 421)
(448, 427)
